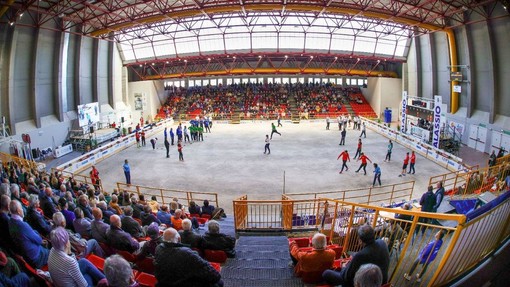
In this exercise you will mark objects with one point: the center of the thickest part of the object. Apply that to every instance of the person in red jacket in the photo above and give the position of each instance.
(358, 151)
(364, 160)
(404, 166)
(413, 161)
(345, 157)
(179, 149)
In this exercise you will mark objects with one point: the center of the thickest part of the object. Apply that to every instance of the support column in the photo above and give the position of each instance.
(433, 64)
(36, 111)
(61, 59)
(492, 87)
(95, 65)
(417, 47)
(469, 87)
(13, 35)
(111, 70)
(77, 70)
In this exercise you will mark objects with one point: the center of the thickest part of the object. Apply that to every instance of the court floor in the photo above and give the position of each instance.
(230, 161)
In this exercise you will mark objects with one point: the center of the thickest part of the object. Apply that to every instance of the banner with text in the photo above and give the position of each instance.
(404, 112)
(438, 100)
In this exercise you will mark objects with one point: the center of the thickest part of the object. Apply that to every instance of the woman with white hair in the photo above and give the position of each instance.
(64, 269)
(118, 273)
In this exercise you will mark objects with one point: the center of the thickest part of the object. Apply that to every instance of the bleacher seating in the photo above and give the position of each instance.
(360, 105)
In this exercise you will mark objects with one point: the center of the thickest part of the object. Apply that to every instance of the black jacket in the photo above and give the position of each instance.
(219, 241)
(132, 227)
(177, 265)
(190, 238)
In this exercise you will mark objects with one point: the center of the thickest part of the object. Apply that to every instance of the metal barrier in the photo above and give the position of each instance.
(407, 232)
(386, 194)
(165, 196)
(476, 181)
(503, 159)
(79, 178)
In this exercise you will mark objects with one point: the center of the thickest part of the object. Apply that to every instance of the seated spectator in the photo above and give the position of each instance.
(147, 217)
(118, 238)
(316, 260)
(405, 220)
(215, 240)
(137, 207)
(5, 239)
(64, 269)
(28, 242)
(177, 265)
(153, 203)
(173, 207)
(81, 224)
(164, 216)
(83, 204)
(80, 246)
(118, 273)
(130, 225)
(368, 275)
(194, 208)
(10, 275)
(374, 251)
(103, 206)
(69, 215)
(188, 237)
(48, 204)
(149, 248)
(114, 204)
(391, 233)
(98, 228)
(35, 218)
(207, 209)
(177, 219)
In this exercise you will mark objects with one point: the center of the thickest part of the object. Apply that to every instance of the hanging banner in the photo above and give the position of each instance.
(404, 113)
(438, 100)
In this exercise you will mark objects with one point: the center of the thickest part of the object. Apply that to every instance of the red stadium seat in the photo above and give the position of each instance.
(300, 241)
(195, 215)
(146, 280)
(202, 220)
(216, 266)
(218, 256)
(107, 249)
(207, 216)
(96, 261)
(32, 272)
(311, 277)
(146, 265)
(128, 256)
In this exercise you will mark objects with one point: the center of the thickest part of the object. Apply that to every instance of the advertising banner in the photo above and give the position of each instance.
(437, 121)
(403, 119)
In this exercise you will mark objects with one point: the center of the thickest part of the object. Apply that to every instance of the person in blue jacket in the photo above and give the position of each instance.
(377, 174)
(178, 131)
(28, 242)
(427, 255)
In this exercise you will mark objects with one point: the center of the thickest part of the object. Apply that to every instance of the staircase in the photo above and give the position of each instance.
(293, 109)
(260, 261)
(349, 109)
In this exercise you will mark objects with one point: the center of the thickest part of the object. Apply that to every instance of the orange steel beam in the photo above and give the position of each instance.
(454, 99)
(294, 71)
(264, 7)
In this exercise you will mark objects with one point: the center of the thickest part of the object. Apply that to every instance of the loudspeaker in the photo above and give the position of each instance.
(91, 130)
(122, 119)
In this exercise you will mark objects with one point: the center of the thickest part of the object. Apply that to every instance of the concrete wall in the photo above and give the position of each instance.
(384, 93)
(45, 74)
(151, 92)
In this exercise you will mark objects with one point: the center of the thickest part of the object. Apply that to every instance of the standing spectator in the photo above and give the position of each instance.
(273, 130)
(179, 149)
(172, 135)
(363, 130)
(345, 157)
(137, 137)
(374, 251)
(439, 194)
(492, 158)
(368, 275)
(279, 120)
(364, 160)
(64, 269)
(427, 255)
(413, 161)
(427, 202)
(94, 175)
(358, 150)
(167, 147)
(266, 147)
(388, 153)
(377, 174)
(404, 166)
(142, 134)
(127, 171)
(343, 133)
(177, 265)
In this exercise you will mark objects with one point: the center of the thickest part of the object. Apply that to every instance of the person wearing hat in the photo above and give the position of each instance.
(149, 248)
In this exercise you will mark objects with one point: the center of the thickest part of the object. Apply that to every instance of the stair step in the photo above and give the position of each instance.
(265, 283)
(258, 273)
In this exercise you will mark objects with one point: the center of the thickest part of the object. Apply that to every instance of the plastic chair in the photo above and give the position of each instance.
(300, 241)
(146, 280)
(207, 216)
(216, 266)
(218, 256)
(96, 261)
(128, 256)
(311, 277)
